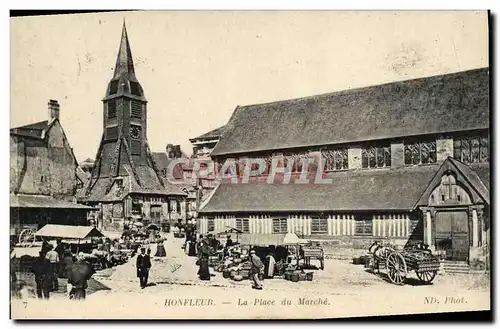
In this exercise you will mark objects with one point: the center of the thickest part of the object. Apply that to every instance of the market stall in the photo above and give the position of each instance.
(228, 230)
(292, 256)
(79, 239)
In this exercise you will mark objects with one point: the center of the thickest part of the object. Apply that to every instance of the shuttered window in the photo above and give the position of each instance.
(111, 109)
(280, 225)
(135, 147)
(112, 133)
(319, 225)
(135, 109)
(243, 224)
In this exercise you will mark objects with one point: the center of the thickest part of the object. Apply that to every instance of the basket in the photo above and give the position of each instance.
(226, 274)
(309, 276)
(294, 277)
(238, 278)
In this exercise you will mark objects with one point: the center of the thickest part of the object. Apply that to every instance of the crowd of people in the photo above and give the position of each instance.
(59, 261)
(207, 246)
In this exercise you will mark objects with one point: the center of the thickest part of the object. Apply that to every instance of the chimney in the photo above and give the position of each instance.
(53, 109)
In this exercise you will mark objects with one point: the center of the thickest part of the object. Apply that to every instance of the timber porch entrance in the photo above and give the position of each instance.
(452, 234)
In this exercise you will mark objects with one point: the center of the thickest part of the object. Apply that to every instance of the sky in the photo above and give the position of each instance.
(196, 67)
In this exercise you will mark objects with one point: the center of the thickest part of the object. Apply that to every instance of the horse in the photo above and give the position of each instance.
(379, 254)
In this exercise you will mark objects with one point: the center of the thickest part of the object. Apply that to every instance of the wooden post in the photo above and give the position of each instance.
(475, 234)
(407, 225)
(428, 228)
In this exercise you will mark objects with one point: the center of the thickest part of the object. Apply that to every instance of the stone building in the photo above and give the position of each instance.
(44, 175)
(202, 147)
(407, 161)
(125, 183)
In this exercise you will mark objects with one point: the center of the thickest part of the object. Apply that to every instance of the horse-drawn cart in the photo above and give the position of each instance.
(399, 263)
(23, 236)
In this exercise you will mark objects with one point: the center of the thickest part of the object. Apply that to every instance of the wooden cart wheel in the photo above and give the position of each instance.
(396, 268)
(27, 237)
(426, 276)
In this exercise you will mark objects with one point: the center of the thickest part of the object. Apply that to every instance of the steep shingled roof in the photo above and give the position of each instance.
(444, 103)
(163, 161)
(395, 189)
(215, 133)
(374, 190)
(32, 130)
(124, 62)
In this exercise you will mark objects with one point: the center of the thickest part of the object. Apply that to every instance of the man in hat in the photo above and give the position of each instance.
(256, 270)
(143, 265)
(78, 275)
(43, 276)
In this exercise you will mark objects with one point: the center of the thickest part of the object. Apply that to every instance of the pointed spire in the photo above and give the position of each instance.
(124, 62)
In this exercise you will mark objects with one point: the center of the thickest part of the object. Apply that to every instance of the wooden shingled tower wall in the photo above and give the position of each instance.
(123, 150)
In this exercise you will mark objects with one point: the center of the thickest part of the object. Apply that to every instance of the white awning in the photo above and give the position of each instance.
(68, 232)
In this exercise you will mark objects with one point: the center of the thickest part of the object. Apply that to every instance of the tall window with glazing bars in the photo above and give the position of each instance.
(420, 152)
(376, 156)
(335, 159)
(471, 149)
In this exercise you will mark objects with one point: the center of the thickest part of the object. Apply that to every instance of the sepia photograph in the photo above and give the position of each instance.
(201, 165)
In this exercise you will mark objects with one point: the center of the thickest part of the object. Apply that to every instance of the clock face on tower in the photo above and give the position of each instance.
(135, 132)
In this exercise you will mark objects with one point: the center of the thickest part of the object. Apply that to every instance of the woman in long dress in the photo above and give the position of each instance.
(270, 264)
(192, 247)
(204, 254)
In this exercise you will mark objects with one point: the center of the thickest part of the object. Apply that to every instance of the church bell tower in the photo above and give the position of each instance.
(125, 107)
(124, 164)
(125, 182)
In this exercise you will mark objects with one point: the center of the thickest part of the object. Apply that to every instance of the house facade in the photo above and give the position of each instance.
(44, 175)
(403, 162)
(203, 145)
(125, 184)
(181, 176)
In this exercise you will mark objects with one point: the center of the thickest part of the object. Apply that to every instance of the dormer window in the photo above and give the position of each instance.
(135, 89)
(119, 182)
(113, 87)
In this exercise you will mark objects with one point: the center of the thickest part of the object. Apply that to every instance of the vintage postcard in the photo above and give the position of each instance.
(249, 164)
